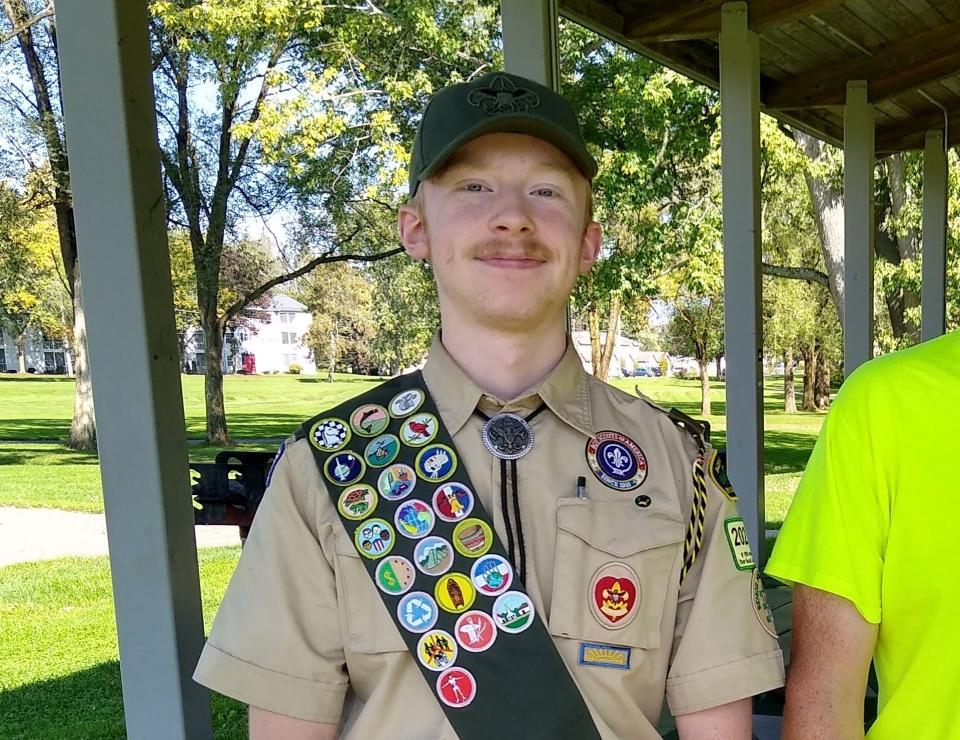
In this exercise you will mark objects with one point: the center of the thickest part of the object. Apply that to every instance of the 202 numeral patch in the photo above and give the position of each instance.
(736, 532)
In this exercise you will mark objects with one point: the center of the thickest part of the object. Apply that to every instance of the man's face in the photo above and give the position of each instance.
(504, 225)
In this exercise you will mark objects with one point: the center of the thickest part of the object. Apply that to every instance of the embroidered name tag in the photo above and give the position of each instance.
(604, 656)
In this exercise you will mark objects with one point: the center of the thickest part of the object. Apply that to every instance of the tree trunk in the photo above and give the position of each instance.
(83, 430)
(593, 324)
(704, 387)
(719, 369)
(613, 330)
(789, 387)
(821, 389)
(809, 379)
(20, 342)
(333, 356)
(217, 433)
(903, 320)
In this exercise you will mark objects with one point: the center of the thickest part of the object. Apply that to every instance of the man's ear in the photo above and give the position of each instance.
(413, 232)
(590, 246)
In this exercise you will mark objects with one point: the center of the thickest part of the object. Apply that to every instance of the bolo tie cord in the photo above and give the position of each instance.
(520, 566)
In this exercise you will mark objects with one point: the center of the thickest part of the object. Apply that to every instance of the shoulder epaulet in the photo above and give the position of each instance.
(699, 429)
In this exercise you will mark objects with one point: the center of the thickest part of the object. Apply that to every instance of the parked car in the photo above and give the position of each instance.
(643, 372)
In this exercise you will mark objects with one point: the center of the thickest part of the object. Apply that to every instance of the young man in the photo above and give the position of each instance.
(503, 546)
(870, 546)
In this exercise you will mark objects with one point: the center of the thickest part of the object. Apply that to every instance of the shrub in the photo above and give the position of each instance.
(294, 368)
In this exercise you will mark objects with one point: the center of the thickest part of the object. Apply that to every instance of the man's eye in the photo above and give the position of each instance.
(545, 192)
(473, 187)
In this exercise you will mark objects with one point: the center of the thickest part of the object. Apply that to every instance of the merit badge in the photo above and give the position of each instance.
(381, 450)
(472, 538)
(396, 482)
(395, 575)
(357, 502)
(736, 532)
(760, 606)
(614, 595)
(604, 656)
(329, 435)
(369, 420)
(475, 631)
(433, 556)
(454, 593)
(491, 575)
(414, 519)
(374, 538)
(417, 611)
(718, 474)
(507, 436)
(453, 502)
(437, 650)
(344, 468)
(513, 612)
(419, 430)
(404, 404)
(456, 687)
(616, 460)
(436, 463)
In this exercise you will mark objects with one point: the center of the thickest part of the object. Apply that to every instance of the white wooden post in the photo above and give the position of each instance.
(934, 244)
(530, 40)
(740, 120)
(858, 232)
(109, 115)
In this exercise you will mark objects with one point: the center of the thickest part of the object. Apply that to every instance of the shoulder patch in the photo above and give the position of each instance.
(718, 474)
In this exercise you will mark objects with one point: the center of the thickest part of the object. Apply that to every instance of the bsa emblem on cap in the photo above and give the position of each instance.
(437, 650)
(357, 502)
(614, 595)
(456, 687)
(329, 435)
(475, 631)
(344, 468)
(382, 450)
(417, 612)
(395, 575)
(414, 519)
(396, 482)
(369, 420)
(405, 403)
(472, 538)
(503, 96)
(453, 502)
(419, 430)
(513, 612)
(433, 556)
(616, 460)
(491, 575)
(374, 538)
(436, 463)
(454, 593)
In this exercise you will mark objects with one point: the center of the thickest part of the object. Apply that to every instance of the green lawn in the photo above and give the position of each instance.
(59, 670)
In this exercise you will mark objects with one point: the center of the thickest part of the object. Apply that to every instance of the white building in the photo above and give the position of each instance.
(627, 355)
(267, 346)
(41, 355)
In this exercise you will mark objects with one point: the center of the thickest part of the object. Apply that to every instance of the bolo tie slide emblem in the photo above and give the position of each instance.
(508, 436)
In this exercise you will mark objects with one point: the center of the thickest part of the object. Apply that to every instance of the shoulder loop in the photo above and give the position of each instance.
(698, 429)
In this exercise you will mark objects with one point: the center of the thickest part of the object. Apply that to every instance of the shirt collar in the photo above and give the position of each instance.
(565, 391)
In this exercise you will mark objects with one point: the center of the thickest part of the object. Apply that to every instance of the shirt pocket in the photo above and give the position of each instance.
(592, 535)
(366, 624)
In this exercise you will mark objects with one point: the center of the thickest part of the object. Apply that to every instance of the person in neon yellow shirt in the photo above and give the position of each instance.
(872, 545)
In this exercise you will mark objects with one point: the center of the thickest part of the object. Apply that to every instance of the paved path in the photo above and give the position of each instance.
(42, 534)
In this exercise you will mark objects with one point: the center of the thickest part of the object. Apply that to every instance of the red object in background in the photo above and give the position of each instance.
(249, 362)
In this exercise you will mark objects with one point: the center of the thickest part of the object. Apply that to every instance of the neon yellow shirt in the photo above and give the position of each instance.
(876, 520)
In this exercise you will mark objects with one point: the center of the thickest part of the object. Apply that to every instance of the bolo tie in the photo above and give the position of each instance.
(508, 437)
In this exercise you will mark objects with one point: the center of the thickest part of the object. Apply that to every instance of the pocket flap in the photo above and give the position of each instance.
(619, 528)
(343, 543)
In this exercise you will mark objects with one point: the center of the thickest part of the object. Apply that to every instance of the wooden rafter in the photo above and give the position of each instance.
(909, 135)
(895, 68)
(693, 19)
(600, 16)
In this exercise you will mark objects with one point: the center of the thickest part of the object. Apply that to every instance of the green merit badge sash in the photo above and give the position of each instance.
(408, 504)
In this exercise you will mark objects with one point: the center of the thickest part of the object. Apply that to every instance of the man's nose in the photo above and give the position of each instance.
(512, 214)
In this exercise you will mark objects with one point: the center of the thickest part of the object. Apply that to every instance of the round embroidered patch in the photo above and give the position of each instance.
(614, 595)
(381, 450)
(396, 482)
(344, 468)
(405, 403)
(369, 420)
(395, 575)
(491, 575)
(419, 430)
(454, 593)
(453, 502)
(433, 556)
(513, 612)
(329, 435)
(472, 538)
(760, 606)
(718, 474)
(456, 687)
(374, 538)
(357, 502)
(417, 612)
(475, 631)
(436, 463)
(616, 460)
(437, 650)
(414, 519)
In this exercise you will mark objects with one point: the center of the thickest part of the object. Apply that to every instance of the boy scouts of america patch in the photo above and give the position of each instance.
(616, 460)
(760, 606)
(718, 474)
(614, 595)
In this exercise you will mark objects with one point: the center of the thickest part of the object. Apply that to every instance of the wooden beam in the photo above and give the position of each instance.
(912, 62)
(594, 15)
(909, 135)
(693, 19)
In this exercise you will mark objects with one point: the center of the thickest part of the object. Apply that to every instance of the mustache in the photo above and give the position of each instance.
(528, 249)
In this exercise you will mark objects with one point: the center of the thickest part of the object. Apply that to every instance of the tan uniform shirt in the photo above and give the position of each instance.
(302, 621)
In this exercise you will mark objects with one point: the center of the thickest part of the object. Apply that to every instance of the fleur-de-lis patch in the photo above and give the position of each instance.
(616, 460)
(503, 96)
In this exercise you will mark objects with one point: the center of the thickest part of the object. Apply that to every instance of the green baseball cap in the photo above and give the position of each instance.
(498, 102)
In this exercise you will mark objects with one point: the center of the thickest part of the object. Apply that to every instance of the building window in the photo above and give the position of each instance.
(284, 338)
(293, 337)
(286, 317)
(54, 362)
(3, 360)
